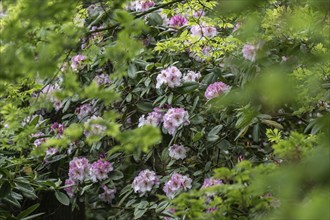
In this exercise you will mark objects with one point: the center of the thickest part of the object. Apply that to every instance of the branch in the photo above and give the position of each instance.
(137, 16)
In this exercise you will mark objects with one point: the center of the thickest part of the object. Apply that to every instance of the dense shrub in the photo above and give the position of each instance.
(190, 109)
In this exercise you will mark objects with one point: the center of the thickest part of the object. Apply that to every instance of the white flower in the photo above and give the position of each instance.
(177, 152)
(191, 76)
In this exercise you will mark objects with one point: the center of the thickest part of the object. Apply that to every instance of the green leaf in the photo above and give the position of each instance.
(187, 87)
(116, 175)
(33, 216)
(144, 107)
(62, 198)
(28, 211)
(13, 201)
(5, 189)
(272, 123)
(216, 130)
(132, 71)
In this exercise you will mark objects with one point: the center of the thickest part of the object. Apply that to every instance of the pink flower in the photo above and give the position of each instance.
(174, 118)
(79, 169)
(177, 182)
(83, 111)
(203, 30)
(57, 128)
(199, 13)
(69, 183)
(102, 79)
(154, 118)
(40, 140)
(145, 5)
(196, 30)
(140, 5)
(51, 151)
(77, 62)
(145, 181)
(170, 76)
(178, 21)
(216, 89)
(93, 127)
(177, 152)
(108, 195)
(211, 182)
(99, 170)
(209, 31)
(249, 52)
(191, 76)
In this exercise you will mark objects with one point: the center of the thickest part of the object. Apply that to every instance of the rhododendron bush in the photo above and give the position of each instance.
(164, 109)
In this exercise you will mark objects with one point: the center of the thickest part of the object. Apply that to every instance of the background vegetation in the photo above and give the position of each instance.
(191, 109)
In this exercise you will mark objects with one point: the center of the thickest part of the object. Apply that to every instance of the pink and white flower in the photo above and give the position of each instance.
(57, 128)
(93, 126)
(77, 62)
(174, 118)
(154, 118)
(177, 152)
(140, 5)
(40, 139)
(51, 151)
(70, 187)
(79, 169)
(249, 52)
(145, 181)
(83, 111)
(170, 77)
(177, 182)
(108, 195)
(178, 21)
(191, 76)
(211, 182)
(203, 30)
(99, 170)
(102, 79)
(216, 89)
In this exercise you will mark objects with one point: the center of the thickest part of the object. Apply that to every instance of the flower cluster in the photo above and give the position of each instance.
(140, 5)
(99, 170)
(177, 152)
(77, 62)
(79, 169)
(199, 14)
(172, 77)
(102, 79)
(49, 91)
(40, 139)
(93, 128)
(177, 21)
(108, 195)
(203, 30)
(191, 76)
(51, 151)
(96, 36)
(83, 111)
(216, 89)
(177, 182)
(57, 128)
(154, 118)
(69, 187)
(174, 118)
(145, 181)
(204, 53)
(249, 52)
(211, 182)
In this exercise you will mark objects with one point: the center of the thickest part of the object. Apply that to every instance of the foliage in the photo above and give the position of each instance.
(190, 109)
